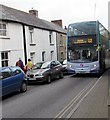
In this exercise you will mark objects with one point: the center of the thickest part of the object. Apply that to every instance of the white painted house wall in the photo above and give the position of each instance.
(40, 44)
(14, 44)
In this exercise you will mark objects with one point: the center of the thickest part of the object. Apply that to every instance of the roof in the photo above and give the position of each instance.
(14, 15)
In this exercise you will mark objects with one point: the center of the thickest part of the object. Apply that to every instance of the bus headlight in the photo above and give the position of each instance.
(70, 66)
(94, 65)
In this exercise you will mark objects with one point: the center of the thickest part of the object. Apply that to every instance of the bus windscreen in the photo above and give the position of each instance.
(84, 28)
(82, 55)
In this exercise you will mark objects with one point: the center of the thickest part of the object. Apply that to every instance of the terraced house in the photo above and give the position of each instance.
(24, 35)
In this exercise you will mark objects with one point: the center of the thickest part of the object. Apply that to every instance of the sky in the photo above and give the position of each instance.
(70, 11)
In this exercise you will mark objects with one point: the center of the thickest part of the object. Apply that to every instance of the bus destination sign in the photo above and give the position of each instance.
(83, 41)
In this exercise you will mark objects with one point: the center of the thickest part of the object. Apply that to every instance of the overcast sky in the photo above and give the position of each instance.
(70, 11)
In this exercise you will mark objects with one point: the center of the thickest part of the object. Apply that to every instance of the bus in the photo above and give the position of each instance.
(88, 48)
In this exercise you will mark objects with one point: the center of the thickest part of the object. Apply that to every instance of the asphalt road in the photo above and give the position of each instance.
(45, 100)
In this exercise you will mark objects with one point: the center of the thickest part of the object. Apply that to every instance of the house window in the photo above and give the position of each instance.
(43, 56)
(61, 40)
(3, 31)
(31, 31)
(4, 59)
(32, 56)
(62, 55)
(52, 55)
(50, 37)
(31, 37)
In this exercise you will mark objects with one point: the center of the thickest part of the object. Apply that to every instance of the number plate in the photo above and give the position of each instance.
(82, 72)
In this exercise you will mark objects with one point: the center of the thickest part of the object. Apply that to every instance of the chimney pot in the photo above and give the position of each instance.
(58, 22)
(33, 12)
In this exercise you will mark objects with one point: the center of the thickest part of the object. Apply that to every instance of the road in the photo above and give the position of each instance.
(49, 100)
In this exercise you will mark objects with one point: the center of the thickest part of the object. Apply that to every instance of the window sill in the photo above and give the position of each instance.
(4, 37)
(51, 44)
(32, 44)
(61, 45)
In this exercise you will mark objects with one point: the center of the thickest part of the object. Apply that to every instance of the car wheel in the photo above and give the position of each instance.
(23, 87)
(49, 79)
(61, 75)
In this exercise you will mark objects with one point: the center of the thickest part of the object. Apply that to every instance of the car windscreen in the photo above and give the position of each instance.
(5, 73)
(45, 65)
(37, 66)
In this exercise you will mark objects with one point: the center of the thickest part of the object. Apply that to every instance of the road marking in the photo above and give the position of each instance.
(73, 101)
(78, 104)
(65, 109)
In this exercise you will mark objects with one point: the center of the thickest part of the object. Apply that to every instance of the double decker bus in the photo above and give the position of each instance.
(88, 47)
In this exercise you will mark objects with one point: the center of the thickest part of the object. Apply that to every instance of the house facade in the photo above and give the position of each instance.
(24, 35)
(61, 42)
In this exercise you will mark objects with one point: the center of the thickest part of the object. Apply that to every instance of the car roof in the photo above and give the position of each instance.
(39, 62)
(1, 68)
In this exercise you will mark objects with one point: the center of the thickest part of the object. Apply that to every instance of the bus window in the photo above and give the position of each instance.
(74, 55)
(84, 55)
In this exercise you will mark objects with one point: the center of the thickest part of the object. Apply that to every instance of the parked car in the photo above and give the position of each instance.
(47, 72)
(12, 79)
(32, 72)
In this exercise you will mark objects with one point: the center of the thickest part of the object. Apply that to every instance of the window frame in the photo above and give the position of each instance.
(32, 56)
(43, 55)
(3, 29)
(51, 38)
(4, 58)
(31, 35)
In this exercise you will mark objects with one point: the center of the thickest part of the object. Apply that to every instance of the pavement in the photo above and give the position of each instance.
(109, 93)
(97, 103)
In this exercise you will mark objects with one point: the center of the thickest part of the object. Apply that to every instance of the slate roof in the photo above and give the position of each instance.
(14, 15)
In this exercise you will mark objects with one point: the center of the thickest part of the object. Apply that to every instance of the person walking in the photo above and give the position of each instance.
(29, 64)
(20, 64)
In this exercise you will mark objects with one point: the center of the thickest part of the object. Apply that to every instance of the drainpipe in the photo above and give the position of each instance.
(57, 46)
(24, 41)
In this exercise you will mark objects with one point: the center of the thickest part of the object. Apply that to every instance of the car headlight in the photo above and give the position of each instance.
(39, 74)
(69, 66)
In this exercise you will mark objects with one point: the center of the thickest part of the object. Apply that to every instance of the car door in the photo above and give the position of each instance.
(58, 67)
(17, 78)
(54, 69)
(11, 80)
(6, 76)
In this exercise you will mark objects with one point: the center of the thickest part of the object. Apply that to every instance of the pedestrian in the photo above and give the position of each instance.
(29, 65)
(20, 64)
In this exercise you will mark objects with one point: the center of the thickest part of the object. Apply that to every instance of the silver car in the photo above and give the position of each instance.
(48, 71)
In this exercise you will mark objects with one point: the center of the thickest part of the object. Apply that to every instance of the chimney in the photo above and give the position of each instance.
(33, 12)
(58, 22)
(65, 28)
